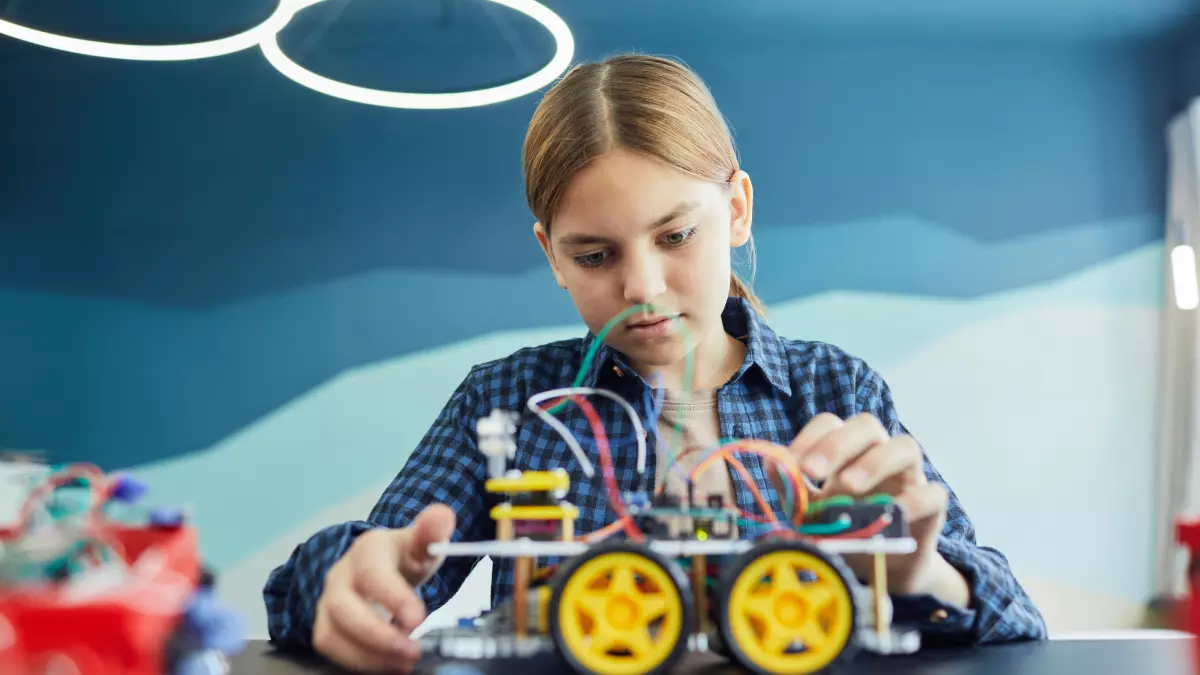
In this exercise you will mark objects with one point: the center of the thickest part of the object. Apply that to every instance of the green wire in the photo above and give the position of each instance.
(688, 364)
(812, 528)
(840, 500)
(689, 380)
(823, 528)
(788, 490)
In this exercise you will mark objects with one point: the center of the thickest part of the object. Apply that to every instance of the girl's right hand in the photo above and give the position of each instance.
(369, 608)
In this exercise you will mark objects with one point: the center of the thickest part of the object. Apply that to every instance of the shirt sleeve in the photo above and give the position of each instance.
(999, 610)
(445, 467)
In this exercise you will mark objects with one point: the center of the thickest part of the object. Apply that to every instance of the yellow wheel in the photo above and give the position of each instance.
(787, 609)
(620, 609)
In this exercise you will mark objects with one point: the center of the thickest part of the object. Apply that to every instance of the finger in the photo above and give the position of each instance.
(922, 501)
(345, 649)
(434, 524)
(835, 449)
(816, 429)
(898, 457)
(384, 586)
(357, 632)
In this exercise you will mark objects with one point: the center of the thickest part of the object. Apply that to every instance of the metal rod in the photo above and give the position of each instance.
(699, 577)
(521, 595)
(879, 583)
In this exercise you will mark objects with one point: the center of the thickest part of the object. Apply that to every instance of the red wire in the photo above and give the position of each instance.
(877, 526)
(626, 521)
(606, 467)
(96, 485)
(678, 458)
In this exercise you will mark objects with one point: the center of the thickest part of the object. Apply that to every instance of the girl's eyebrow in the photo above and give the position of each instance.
(682, 209)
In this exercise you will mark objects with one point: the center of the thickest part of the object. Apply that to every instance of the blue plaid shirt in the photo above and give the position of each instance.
(780, 386)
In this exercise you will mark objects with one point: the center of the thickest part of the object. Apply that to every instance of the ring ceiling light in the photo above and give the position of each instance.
(564, 48)
(184, 52)
(266, 36)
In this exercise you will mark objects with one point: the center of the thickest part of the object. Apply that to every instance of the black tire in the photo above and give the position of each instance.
(716, 641)
(674, 573)
(183, 642)
(179, 644)
(207, 580)
(734, 569)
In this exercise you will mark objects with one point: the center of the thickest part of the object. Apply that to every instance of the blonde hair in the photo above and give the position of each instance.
(647, 104)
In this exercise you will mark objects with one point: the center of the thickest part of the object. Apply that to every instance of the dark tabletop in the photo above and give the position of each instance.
(1115, 657)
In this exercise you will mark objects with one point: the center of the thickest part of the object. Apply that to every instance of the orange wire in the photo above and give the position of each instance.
(788, 462)
(751, 483)
(606, 531)
(771, 451)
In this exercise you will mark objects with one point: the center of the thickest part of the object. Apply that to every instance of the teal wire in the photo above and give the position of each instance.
(811, 528)
(788, 491)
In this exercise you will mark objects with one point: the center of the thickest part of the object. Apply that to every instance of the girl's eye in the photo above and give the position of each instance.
(590, 259)
(680, 238)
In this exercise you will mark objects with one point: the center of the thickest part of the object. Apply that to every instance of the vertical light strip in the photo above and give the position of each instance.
(1183, 273)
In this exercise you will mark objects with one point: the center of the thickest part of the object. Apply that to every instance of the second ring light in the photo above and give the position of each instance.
(564, 50)
(266, 36)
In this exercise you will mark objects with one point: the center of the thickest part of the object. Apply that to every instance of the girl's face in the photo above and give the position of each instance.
(631, 230)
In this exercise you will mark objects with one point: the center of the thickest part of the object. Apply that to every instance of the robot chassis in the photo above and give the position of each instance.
(785, 603)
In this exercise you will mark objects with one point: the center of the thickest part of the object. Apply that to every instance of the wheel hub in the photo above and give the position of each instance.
(622, 612)
(789, 610)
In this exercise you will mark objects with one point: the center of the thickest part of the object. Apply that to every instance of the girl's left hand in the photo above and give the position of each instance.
(858, 458)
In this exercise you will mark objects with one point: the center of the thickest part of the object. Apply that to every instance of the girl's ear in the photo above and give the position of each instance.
(741, 211)
(544, 239)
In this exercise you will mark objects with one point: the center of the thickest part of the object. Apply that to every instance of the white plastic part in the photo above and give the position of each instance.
(893, 641)
(58, 663)
(496, 440)
(8, 636)
(529, 548)
(18, 479)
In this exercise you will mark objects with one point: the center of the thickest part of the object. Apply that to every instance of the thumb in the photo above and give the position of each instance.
(434, 524)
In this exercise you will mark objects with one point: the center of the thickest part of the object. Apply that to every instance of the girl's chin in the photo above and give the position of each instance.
(664, 354)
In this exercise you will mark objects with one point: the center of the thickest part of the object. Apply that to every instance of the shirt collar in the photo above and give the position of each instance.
(764, 349)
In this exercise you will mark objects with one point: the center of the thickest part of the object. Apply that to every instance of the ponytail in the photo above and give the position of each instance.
(738, 289)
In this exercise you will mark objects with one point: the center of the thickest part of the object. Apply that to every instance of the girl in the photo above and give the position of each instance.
(632, 175)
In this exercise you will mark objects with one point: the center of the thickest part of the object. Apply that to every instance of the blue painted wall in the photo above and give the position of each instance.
(257, 296)
(166, 279)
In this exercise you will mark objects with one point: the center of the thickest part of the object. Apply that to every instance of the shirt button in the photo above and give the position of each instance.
(939, 616)
(618, 371)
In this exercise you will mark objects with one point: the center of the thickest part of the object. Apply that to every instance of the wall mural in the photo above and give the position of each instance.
(257, 297)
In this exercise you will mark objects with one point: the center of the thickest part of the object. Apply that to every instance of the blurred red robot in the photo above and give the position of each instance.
(84, 594)
(1187, 534)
